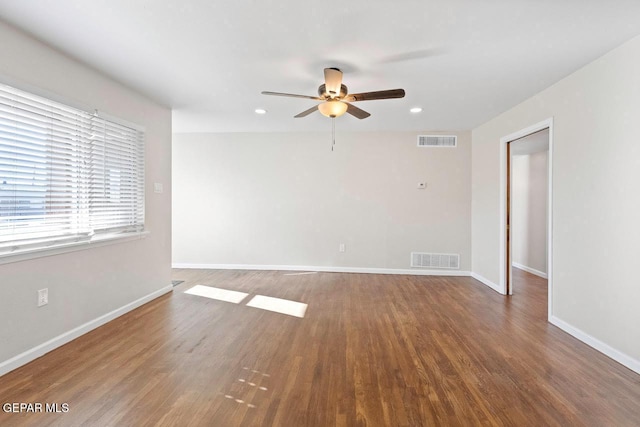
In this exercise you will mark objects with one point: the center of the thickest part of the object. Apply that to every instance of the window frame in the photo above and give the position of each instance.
(77, 242)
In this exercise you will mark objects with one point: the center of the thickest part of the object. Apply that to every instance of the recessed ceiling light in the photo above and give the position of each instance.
(416, 110)
(261, 111)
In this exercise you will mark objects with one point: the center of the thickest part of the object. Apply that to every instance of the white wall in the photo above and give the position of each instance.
(529, 211)
(596, 171)
(86, 284)
(287, 199)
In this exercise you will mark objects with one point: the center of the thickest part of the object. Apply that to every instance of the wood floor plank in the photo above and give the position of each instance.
(372, 350)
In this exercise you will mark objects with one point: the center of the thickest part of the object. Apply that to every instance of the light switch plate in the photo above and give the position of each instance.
(43, 297)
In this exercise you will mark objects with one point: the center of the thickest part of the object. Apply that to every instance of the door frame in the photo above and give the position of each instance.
(505, 173)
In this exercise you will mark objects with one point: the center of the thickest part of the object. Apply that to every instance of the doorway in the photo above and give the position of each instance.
(513, 149)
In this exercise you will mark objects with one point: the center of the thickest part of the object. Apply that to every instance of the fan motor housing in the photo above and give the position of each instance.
(322, 92)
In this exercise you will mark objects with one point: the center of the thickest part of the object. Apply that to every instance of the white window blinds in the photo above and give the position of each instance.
(116, 184)
(65, 174)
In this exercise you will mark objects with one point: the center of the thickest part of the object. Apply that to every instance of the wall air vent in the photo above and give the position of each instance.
(437, 140)
(427, 260)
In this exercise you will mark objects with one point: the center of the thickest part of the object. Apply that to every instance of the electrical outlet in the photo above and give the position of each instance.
(341, 248)
(43, 297)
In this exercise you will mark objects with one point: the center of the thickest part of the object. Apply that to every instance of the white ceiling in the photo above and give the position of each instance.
(462, 61)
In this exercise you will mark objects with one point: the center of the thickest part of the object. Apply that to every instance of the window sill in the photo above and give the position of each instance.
(95, 242)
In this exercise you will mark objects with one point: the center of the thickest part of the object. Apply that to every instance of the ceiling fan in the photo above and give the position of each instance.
(335, 98)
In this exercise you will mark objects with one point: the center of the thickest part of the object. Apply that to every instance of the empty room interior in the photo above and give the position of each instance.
(319, 214)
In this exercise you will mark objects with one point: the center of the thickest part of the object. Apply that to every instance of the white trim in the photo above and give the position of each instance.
(606, 349)
(550, 221)
(503, 217)
(548, 123)
(487, 282)
(529, 270)
(39, 350)
(326, 269)
(61, 248)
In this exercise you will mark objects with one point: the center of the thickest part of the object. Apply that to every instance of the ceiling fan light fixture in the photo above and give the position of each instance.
(332, 108)
(335, 99)
(333, 81)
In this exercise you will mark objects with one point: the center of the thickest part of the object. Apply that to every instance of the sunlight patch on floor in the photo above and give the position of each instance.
(217, 293)
(278, 305)
(300, 274)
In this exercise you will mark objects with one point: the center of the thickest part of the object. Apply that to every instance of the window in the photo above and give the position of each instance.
(66, 175)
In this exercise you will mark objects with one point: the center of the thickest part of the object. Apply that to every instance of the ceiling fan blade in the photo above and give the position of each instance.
(357, 112)
(370, 96)
(291, 95)
(306, 112)
(332, 81)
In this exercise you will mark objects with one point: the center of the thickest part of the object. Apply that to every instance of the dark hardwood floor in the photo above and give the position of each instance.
(372, 350)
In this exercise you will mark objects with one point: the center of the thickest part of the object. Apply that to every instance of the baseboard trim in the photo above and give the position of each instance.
(603, 348)
(529, 270)
(39, 350)
(487, 282)
(325, 269)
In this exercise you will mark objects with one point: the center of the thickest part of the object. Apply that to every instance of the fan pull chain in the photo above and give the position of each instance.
(333, 132)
